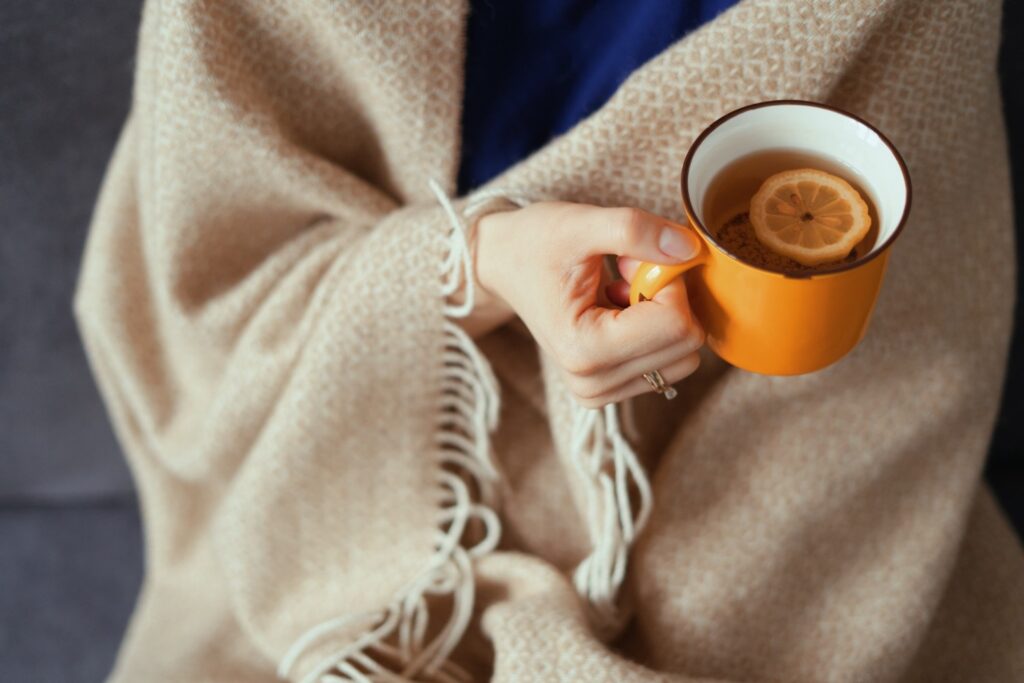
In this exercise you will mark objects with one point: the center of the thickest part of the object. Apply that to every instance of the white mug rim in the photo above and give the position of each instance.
(695, 216)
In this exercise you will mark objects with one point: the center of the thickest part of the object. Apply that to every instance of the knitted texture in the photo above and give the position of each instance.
(262, 301)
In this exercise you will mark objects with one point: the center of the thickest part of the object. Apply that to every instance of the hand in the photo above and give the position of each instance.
(544, 263)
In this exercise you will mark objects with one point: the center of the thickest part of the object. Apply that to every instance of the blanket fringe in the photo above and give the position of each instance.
(611, 470)
(394, 646)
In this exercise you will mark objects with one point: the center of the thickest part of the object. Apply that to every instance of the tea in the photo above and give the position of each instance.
(727, 203)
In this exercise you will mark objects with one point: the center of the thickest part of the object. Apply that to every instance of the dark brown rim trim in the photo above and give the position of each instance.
(805, 103)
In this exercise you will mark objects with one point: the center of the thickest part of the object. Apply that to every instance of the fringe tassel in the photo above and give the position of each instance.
(609, 466)
(394, 646)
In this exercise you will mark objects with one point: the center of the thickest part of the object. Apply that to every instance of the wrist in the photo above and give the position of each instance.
(483, 249)
(490, 310)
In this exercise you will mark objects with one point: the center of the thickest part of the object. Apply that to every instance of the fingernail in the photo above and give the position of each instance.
(678, 245)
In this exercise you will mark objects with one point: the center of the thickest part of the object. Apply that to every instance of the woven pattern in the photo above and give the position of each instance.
(262, 304)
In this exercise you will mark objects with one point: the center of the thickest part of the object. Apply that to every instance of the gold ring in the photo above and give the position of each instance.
(657, 383)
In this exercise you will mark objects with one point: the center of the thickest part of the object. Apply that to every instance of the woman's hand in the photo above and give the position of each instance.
(544, 263)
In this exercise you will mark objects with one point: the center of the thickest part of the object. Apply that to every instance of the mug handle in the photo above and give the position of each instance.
(650, 278)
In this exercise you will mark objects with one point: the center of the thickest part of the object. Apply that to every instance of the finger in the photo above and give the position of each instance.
(681, 369)
(618, 293)
(627, 267)
(604, 382)
(632, 232)
(610, 336)
(618, 290)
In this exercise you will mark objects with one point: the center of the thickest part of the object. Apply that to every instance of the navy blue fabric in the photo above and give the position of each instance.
(534, 68)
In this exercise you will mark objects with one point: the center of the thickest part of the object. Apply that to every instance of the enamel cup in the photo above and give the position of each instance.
(770, 322)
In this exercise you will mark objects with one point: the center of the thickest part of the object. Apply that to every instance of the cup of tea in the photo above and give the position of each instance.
(761, 310)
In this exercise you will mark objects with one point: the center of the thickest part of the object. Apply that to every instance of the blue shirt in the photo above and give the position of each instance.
(534, 68)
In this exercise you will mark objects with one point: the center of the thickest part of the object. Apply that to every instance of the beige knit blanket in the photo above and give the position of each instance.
(332, 490)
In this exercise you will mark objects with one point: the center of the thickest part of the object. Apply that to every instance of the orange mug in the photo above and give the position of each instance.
(766, 321)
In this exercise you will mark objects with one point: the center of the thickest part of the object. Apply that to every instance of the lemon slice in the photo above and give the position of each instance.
(810, 216)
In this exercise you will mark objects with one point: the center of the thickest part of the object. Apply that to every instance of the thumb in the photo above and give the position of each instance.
(640, 235)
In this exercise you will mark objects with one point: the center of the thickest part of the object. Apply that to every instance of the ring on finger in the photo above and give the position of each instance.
(659, 385)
